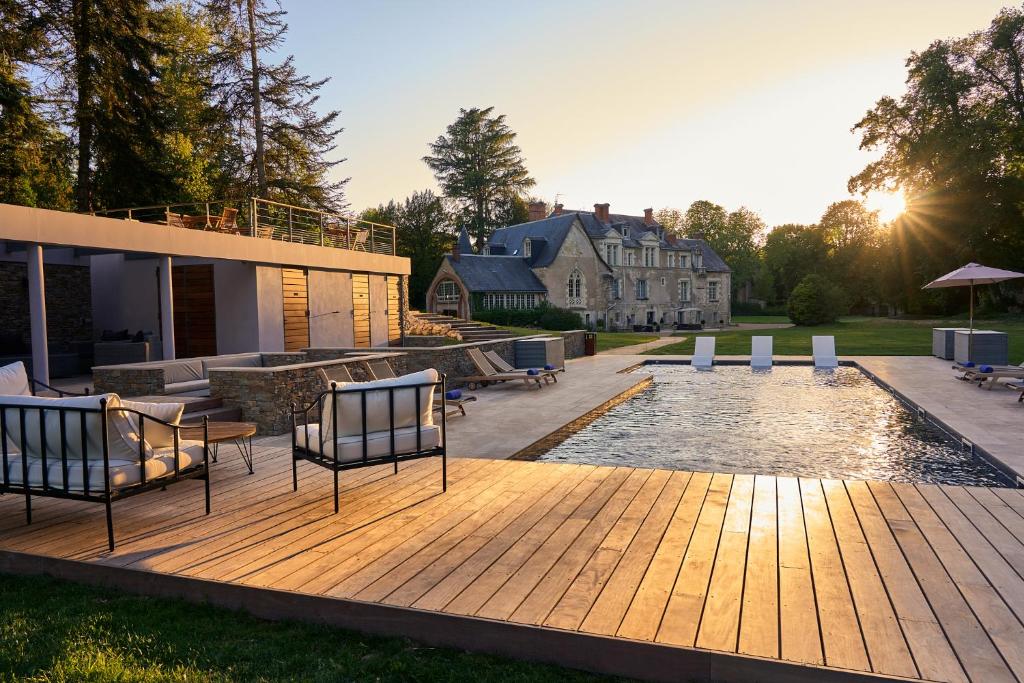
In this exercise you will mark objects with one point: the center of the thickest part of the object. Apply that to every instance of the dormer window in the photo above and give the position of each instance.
(527, 248)
(625, 231)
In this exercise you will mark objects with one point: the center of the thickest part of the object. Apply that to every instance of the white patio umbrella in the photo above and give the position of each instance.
(968, 276)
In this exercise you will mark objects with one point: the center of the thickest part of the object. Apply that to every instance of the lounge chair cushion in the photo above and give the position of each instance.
(176, 371)
(183, 387)
(14, 380)
(157, 435)
(122, 438)
(123, 472)
(350, 411)
(378, 444)
(985, 368)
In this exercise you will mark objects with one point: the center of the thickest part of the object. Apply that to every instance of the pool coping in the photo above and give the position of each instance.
(1013, 478)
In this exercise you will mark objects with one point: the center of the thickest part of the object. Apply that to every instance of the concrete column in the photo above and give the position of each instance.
(166, 308)
(37, 313)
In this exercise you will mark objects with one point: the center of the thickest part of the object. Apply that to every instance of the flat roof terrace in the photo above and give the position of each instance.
(657, 574)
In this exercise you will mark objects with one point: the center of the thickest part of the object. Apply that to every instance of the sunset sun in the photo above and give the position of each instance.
(889, 205)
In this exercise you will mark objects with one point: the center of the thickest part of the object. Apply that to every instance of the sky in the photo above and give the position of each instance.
(638, 103)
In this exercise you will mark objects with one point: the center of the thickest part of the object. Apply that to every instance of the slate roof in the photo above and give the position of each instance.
(547, 236)
(495, 273)
(465, 245)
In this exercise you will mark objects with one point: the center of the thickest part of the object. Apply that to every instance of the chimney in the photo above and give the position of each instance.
(558, 209)
(648, 216)
(601, 212)
(538, 211)
(456, 252)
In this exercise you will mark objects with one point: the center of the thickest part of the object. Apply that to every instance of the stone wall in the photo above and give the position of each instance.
(129, 380)
(423, 340)
(68, 304)
(265, 395)
(573, 343)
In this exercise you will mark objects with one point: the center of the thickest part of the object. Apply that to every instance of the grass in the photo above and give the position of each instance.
(855, 337)
(56, 631)
(763, 319)
(605, 340)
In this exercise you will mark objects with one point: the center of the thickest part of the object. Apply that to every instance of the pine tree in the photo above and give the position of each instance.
(284, 143)
(478, 164)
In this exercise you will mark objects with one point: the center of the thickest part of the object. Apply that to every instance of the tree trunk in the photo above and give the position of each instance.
(81, 11)
(481, 226)
(257, 108)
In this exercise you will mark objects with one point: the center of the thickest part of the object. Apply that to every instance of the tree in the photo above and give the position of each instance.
(705, 219)
(477, 163)
(734, 236)
(425, 233)
(852, 236)
(671, 220)
(284, 142)
(790, 253)
(815, 301)
(954, 144)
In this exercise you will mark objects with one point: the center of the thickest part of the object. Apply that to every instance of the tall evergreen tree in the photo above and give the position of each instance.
(285, 143)
(477, 163)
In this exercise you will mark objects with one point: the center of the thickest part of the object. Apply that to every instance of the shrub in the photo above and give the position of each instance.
(554, 318)
(815, 301)
(545, 316)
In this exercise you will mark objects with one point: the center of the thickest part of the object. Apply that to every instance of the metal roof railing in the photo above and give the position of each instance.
(267, 219)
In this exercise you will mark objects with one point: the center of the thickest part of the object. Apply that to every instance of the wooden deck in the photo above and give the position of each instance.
(670, 574)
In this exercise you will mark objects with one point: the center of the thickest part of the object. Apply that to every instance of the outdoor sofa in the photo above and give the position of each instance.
(362, 424)
(96, 448)
(188, 375)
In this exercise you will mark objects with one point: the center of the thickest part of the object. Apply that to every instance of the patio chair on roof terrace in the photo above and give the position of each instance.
(703, 352)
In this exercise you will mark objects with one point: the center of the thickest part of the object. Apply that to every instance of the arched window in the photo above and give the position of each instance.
(447, 291)
(575, 288)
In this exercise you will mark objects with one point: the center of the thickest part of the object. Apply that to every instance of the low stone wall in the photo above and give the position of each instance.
(423, 340)
(573, 343)
(265, 395)
(128, 380)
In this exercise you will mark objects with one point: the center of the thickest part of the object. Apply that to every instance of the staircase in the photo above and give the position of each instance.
(470, 331)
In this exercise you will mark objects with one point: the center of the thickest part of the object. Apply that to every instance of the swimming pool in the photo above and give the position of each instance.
(787, 420)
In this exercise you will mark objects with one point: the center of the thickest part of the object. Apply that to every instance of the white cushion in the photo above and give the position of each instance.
(123, 472)
(378, 444)
(157, 435)
(760, 352)
(703, 352)
(122, 438)
(14, 380)
(350, 411)
(824, 350)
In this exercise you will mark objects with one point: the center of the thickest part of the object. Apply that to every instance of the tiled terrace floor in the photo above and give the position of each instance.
(922, 582)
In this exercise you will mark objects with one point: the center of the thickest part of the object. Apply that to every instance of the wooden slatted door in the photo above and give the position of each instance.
(361, 308)
(394, 312)
(195, 313)
(295, 286)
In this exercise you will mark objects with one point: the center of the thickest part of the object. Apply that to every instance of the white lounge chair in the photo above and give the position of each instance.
(761, 352)
(703, 352)
(824, 350)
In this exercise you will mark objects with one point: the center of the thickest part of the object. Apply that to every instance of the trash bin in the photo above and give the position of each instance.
(590, 343)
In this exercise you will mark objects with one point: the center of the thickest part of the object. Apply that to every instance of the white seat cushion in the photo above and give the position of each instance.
(157, 435)
(123, 472)
(350, 410)
(14, 380)
(378, 444)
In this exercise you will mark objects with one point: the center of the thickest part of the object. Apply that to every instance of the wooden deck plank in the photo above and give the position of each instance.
(799, 636)
(1009, 546)
(575, 603)
(759, 619)
(644, 615)
(686, 603)
(574, 541)
(841, 636)
(995, 617)
(1000, 509)
(887, 647)
(974, 648)
(444, 579)
(609, 608)
(1012, 497)
(720, 621)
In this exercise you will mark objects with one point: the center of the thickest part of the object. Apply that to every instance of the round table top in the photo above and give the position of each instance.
(219, 431)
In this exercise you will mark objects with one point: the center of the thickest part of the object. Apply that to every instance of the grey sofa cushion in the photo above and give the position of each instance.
(246, 360)
(182, 387)
(176, 371)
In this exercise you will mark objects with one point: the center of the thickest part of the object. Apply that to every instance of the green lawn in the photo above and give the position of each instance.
(56, 631)
(854, 337)
(605, 340)
(760, 319)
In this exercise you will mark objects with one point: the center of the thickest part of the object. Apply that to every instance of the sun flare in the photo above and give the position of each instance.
(889, 205)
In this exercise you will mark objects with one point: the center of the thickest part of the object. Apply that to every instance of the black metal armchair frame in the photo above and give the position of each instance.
(35, 385)
(314, 411)
(98, 492)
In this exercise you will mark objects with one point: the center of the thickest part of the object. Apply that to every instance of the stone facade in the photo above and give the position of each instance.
(129, 380)
(68, 304)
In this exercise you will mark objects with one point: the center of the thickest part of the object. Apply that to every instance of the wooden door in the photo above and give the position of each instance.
(361, 309)
(195, 312)
(295, 287)
(394, 312)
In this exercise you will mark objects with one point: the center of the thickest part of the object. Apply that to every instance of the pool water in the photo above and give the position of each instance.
(787, 420)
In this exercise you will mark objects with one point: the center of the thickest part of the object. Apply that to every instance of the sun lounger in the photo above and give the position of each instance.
(456, 406)
(1017, 385)
(502, 365)
(335, 373)
(488, 374)
(824, 350)
(380, 369)
(703, 352)
(760, 352)
(991, 373)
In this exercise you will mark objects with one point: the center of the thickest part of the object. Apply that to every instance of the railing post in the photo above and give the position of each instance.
(208, 226)
(167, 215)
(348, 233)
(129, 214)
(394, 237)
(253, 219)
(321, 229)
(290, 236)
(373, 248)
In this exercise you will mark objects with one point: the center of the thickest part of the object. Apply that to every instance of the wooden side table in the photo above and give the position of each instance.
(219, 432)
